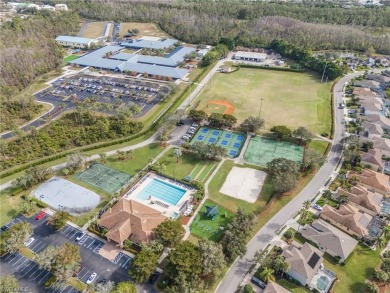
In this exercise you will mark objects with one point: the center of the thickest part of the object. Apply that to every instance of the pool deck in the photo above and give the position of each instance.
(165, 208)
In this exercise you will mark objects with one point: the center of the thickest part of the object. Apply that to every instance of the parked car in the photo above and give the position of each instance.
(258, 282)
(28, 242)
(341, 105)
(40, 216)
(185, 137)
(79, 236)
(91, 278)
(195, 124)
(317, 207)
(4, 228)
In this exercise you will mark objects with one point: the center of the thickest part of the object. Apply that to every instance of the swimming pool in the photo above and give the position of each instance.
(161, 190)
(322, 283)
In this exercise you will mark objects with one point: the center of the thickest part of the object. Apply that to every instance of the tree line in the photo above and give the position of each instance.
(28, 48)
(253, 24)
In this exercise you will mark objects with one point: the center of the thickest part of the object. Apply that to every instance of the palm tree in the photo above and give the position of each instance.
(386, 231)
(380, 242)
(307, 204)
(177, 153)
(267, 275)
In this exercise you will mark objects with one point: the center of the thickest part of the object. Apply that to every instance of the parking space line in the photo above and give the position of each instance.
(73, 234)
(80, 273)
(22, 263)
(28, 266)
(124, 265)
(41, 248)
(36, 243)
(70, 231)
(43, 278)
(34, 264)
(91, 243)
(64, 289)
(15, 260)
(85, 274)
(66, 229)
(9, 256)
(43, 271)
(37, 270)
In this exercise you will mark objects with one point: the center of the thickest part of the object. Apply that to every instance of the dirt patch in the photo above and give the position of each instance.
(229, 108)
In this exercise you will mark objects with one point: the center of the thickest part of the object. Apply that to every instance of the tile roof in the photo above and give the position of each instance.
(373, 128)
(349, 217)
(304, 260)
(360, 196)
(363, 91)
(377, 118)
(330, 238)
(373, 156)
(128, 218)
(376, 180)
(275, 288)
(382, 143)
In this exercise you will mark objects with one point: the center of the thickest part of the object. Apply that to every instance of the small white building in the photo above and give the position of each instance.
(75, 42)
(47, 7)
(202, 52)
(250, 56)
(61, 7)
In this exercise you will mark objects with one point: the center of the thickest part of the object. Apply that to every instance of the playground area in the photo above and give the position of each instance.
(262, 150)
(244, 184)
(232, 141)
(67, 196)
(211, 221)
(104, 178)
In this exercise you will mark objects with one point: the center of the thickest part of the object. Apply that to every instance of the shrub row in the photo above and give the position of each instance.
(269, 67)
(152, 127)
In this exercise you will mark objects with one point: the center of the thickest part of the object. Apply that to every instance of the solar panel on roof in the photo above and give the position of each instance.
(313, 260)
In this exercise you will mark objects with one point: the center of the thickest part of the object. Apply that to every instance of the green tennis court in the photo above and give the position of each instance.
(262, 150)
(232, 141)
(104, 178)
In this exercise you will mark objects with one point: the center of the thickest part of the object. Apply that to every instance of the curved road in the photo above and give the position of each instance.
(241, 266)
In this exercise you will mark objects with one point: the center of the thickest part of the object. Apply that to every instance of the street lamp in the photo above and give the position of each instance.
(59, 207)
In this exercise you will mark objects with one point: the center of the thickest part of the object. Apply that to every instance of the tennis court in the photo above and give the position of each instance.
(232, 141)
(262, 150)
(104, 178)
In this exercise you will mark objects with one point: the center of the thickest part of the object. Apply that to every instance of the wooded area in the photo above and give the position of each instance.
(254, 24)
(28, 48)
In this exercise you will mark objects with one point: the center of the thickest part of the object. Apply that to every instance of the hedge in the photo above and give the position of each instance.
(150, 130)
(269, 67)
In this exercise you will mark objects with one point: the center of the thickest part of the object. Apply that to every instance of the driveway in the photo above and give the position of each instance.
(240, 267)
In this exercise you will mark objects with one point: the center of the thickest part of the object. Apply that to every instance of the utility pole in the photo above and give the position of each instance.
(261, 105)
(323, 73)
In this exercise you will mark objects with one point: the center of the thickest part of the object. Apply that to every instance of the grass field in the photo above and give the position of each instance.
(231, 203)
(292, 287)
(94, 29)
(145, 29)
(9, 207)
(205, 228)
(69, 58)
(292, 99)
(319, 146)
(140, 159)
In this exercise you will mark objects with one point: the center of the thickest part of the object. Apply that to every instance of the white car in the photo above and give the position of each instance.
(185, 137)
(195, 124)
(28, 242)
(91, 278)
(79, 236)
(317, 207)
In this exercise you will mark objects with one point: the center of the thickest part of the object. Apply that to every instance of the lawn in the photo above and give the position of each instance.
(319, 146)
(322, 201)
(294, 288)
(9, 207)
(69, 58)
(290, 98)
(207, 228)
(231, 203)
(359, 266)
(94, 29)
(141, 158)
(145, 29)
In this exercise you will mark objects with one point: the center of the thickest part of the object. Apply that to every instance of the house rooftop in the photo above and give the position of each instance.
(79, 40)
(329, 237)
(376, 180)
(273, 287)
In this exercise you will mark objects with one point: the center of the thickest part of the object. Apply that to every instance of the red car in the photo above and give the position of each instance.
(40, 216)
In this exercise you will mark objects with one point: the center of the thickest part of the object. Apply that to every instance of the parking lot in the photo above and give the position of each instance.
(34, 278)
(104, 90)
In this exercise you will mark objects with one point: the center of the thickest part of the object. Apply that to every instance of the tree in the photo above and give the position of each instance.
(103, 157)
(67, 261)
(248, 289)
(14, 238)
(177, 153)
(233, 241)
(381, 277)
(267, 275)
(156, 246)
(371, 287)
(185, 259)
(27, 205)
(170, 232)
(289, 234)
(216, 120)
(9, 283)
(385, 266)
(284, 174)
(303, 135)
(252, 124)
(32, 176)
(212, 258)
(104, 287)
(343, 199)
(380, 242)
(229, 120)
(143, 265)
(386, 231)
(279, 264)
(197, 115)
(59, 219)
(208, 151)
(125, 287)
(75, 161)
(281, 131)
(312, 160)
(45, 259)
(182, 283)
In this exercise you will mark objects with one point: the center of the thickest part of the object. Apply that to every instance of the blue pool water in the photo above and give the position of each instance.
(162, 190)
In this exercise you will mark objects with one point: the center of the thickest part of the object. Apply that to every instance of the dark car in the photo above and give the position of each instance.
(258, 282)
(153, 277)
(4, 228)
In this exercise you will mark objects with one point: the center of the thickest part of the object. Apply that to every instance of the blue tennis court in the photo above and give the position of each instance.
(232, 141)
(163, 191)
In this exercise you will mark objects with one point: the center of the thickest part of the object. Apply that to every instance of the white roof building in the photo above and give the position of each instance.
(250, 56)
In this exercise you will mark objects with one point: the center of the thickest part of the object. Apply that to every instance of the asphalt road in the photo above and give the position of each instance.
(240, 267)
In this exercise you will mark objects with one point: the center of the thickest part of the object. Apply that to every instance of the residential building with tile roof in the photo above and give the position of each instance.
(376, 181)
(273, 287)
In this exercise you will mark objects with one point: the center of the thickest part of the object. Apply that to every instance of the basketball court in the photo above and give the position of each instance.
(262, 150)
(104, 178)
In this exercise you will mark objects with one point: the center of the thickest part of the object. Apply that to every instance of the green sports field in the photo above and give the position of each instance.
(290, 98)
(69, 58)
